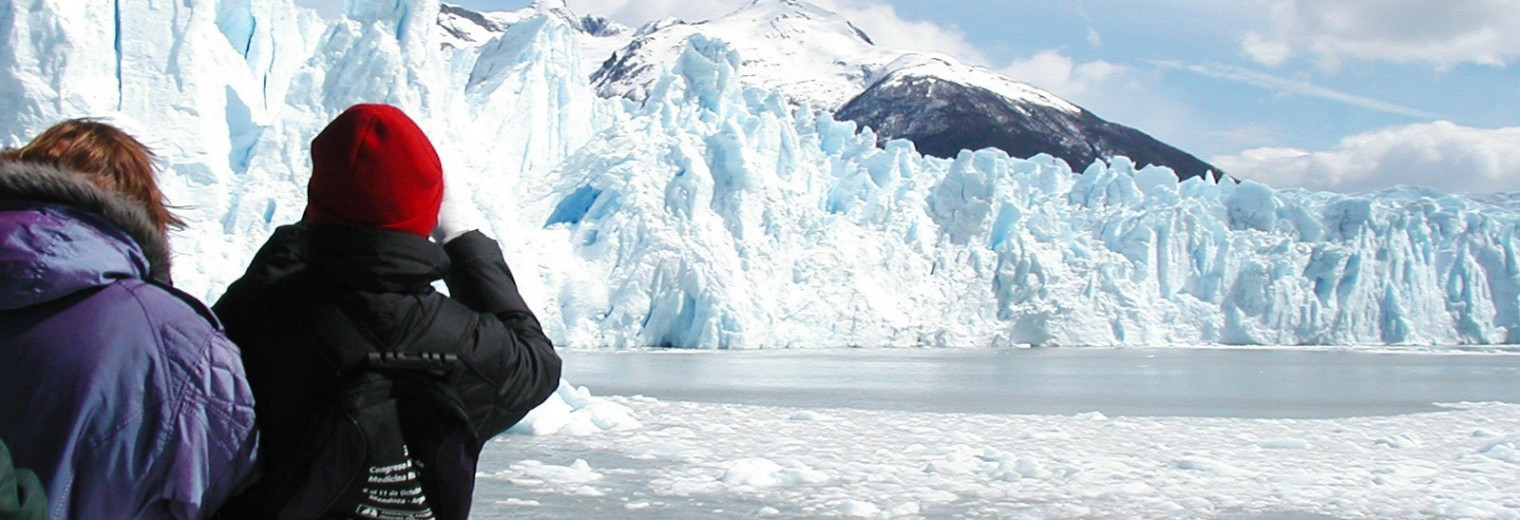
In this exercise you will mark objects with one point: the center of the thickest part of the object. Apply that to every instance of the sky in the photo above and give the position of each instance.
(1339, 95)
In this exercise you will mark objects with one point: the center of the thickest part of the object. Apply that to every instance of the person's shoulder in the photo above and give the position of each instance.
(166, 304)
(185, 333)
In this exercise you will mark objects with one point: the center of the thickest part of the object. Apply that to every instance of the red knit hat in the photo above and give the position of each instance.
(373, 168)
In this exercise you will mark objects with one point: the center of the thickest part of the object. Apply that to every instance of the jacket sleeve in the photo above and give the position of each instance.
(508, 346)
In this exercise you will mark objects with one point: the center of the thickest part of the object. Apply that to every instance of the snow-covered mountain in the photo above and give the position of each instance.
(806, 53)
(712, 214)
(598, 36)
(945, 108)
(815, 57)
(463, 28)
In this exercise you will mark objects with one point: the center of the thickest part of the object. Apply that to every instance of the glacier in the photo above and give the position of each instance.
(710, 215)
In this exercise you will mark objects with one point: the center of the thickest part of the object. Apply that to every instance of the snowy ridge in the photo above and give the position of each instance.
(466, 28)
(711, 215)
(809, 54)
(945, 68)
(599, 37)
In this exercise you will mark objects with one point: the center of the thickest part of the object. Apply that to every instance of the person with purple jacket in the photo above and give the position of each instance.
(122, 394)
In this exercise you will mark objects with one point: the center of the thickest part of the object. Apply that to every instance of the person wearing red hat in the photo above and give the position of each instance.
(356, 275)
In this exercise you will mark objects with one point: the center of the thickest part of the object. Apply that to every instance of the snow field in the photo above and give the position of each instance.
(695, 460)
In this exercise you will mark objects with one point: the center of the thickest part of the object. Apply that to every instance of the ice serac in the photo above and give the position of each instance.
(531, 76)
(189, 77)
(711, 214)
(45, 69)
(755, 224)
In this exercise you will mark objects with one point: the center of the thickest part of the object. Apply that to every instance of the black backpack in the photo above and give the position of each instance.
(393, 443)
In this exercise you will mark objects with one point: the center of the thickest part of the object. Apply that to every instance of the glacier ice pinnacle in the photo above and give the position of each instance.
(709, 214)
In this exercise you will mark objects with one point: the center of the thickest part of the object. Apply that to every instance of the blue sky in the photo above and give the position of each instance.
(1343, 95)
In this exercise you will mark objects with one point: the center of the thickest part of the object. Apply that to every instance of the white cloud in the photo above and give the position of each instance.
(1443, 33)
(1292, 86)
(1050, 69)
(1093, 38)
(1266, 51)
(1062, 75)
(1440, 155)
(888, 29)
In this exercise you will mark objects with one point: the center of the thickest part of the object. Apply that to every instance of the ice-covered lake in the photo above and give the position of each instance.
(1250, 383)
(1042, 433)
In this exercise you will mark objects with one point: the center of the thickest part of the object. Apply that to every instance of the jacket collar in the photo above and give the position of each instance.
(377, 260)
(59, 234)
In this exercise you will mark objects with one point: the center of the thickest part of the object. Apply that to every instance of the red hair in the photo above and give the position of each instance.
(109, 157)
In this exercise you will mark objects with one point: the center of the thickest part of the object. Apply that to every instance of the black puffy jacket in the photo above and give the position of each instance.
(382, 281)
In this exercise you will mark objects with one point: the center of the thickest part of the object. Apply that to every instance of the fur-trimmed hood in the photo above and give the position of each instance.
(60, 233)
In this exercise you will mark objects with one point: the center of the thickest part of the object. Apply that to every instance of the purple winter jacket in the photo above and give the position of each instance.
(121, 393)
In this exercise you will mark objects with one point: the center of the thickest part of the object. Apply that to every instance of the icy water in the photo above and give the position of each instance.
(1217, 434)
(1280, 384)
